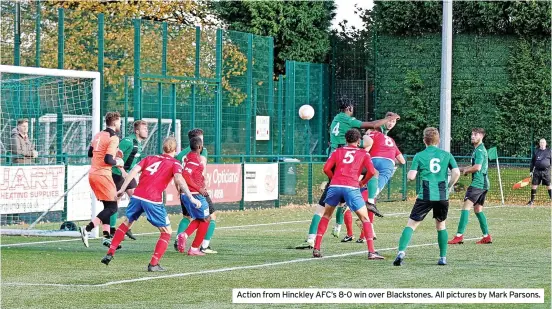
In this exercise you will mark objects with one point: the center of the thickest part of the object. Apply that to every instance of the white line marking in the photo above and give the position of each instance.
(212, 271)
(218, 228)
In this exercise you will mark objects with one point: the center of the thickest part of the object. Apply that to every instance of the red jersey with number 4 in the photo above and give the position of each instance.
(193, 172)
(345, 166)
(384, 146)
(157, 173)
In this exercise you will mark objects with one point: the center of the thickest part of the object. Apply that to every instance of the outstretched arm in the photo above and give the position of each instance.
(378, 123)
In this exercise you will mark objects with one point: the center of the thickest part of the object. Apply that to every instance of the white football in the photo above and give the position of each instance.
(306, 112)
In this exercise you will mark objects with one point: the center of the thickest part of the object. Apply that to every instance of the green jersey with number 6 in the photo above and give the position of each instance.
(340, 125)
(432, 164)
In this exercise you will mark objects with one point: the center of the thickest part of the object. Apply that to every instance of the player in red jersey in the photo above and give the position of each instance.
(384, 152)
(157, 172)
(193, 174)
(349, 163)
(102, 151)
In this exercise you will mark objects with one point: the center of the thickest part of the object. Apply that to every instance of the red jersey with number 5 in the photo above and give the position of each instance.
(383, 147)
(157, 173)
(348, 163)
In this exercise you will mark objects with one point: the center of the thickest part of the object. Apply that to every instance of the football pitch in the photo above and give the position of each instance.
(256, 251)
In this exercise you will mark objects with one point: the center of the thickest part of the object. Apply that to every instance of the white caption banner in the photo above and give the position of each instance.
(388, 296)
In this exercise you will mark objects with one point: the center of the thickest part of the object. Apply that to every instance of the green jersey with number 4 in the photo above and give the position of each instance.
(433, 164)
(340, 125)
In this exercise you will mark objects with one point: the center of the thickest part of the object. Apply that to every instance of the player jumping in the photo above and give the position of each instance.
(193, 174)
(102, 150)
(341, 123)
(131, 149)
(348, 163)
(205, 246)
(475, 195)
(384, 152)
(433, 165)
(157, 173)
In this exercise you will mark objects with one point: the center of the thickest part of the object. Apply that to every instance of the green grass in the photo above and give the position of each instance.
(519, 258)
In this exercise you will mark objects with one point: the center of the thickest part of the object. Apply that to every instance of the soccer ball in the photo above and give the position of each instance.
(306, 112)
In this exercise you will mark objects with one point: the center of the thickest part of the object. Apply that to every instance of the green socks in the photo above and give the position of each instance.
(372, 189)
(405, 238)
(339, 215)
(183, 225)
(113, 220)
(464, 216)
(211, 229)
(442, 237)
(483, 223)
(314, 224)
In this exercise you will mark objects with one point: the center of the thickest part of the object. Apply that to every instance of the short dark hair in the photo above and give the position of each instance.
(352, 136)
(194, 133)
(110, 117)
(479, 130)
(195, 143)
(22, 121)
(345, 103)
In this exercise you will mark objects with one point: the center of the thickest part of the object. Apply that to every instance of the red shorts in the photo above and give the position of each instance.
(103, 187)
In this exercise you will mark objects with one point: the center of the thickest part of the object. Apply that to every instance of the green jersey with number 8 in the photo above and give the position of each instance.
(340, 125)
(433, 165)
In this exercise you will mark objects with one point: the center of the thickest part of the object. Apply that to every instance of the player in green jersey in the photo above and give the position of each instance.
(185, 221)
(341, 123)
(433, 165)
(475, 195)
(130, 150)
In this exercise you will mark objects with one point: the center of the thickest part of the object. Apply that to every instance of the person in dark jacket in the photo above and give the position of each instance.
(540, 170)
(21, 145)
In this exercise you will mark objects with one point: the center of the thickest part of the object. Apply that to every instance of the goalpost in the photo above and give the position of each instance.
(43, 174)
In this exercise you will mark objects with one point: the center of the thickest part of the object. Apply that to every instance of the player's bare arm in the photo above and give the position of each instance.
(378, 123)
(470, 170)
(454, 176)
(400, 159)
(133, 173)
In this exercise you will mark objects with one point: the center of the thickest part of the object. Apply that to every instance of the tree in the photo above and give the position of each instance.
(301, 29)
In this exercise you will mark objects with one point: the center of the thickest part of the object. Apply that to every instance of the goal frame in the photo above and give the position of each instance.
(96, 124)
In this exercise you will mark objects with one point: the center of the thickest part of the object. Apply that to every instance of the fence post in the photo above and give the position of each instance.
(218, 103)
(17, 35)
(101, 63)
(242, 161)
(271, 92)
(249, 93)
(196, 74)
(125, 122)
(280, 112)
(173, 109)
(37, 33)
(320, 111)
(310, 182)
(61, 38)
(160, 87)
(59, 119)
(137, 91)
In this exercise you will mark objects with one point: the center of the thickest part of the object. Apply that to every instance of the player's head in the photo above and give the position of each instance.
(169, 146)
(431, 136)
(141, 129)
(391, 123)
(542, 143)
(352, 136)
(23, 125)
(196, 144)
(346, 105)
(367, 141)
(195, 133)
(477, 135)
(113, 120)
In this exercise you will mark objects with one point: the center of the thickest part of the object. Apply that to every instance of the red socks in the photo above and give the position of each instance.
(322, 227)
(367, 227)
(348, 219)
(200, 235)
(160, 248)
(192, 227)
(117, 238)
